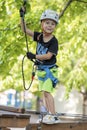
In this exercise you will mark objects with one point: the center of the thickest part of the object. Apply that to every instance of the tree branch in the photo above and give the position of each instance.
(81, 1)
(66, 6)
(60, 15)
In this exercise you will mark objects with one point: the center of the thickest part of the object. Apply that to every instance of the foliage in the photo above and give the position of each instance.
(71, 33)
(73, 45)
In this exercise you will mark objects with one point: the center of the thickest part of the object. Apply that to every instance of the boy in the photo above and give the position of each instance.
(47, 48)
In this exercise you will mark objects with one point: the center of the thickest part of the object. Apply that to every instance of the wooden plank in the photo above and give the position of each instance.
(60, 126)
(14, 120)
(12, 109)
(5, 128)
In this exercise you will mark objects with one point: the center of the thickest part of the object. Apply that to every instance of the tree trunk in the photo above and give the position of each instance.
(84, 103)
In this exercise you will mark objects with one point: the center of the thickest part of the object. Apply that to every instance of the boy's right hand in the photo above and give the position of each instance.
(22, 11)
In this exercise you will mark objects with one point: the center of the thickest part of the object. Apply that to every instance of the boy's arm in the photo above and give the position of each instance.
(44, 56)
(47, 56)
(28, 31)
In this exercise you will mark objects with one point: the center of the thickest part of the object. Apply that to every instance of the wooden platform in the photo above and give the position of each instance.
(14, 120)
(67, 122)
(59, 126)
(28, 120)
(12, 117)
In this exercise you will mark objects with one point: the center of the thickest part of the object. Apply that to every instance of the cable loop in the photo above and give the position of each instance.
(33, 74)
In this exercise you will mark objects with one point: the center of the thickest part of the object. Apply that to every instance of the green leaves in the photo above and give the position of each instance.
(71, 33)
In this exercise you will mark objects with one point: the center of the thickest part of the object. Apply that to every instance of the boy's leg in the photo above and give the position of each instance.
(49, 102)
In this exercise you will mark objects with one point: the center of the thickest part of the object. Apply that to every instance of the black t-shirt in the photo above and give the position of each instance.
(44, 47)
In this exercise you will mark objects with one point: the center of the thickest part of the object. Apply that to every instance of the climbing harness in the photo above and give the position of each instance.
(49, 74)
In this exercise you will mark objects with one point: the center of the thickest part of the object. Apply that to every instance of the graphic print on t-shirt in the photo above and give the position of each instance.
(41, 49)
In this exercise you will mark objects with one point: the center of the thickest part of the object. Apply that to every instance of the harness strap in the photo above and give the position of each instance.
(49, 74)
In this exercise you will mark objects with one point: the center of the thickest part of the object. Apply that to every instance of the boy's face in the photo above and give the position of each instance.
(48, 25)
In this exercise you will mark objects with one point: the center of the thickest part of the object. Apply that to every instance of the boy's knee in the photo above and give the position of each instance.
(46, 94)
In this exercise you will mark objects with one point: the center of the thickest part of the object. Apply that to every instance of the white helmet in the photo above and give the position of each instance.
(50, 14)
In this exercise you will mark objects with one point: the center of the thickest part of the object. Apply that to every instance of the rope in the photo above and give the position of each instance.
(25, 34)
(33, 73)
(32, 78)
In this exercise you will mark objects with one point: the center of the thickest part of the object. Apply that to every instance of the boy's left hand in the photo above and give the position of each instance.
(31, 56)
